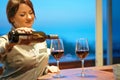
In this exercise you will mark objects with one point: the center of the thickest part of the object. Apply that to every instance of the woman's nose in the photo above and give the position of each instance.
(29, 17)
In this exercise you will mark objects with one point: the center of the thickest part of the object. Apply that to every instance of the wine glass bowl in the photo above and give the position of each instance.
(82, 50)
(57, 51)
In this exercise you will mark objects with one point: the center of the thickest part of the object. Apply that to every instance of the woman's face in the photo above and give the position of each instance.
(24, 17)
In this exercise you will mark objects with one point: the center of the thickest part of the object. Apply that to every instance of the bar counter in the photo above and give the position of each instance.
(91, 73)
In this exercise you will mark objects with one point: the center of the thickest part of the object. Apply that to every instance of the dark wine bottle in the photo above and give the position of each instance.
(35, 36)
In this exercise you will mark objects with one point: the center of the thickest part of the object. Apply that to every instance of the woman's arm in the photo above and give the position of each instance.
(5, 46)
(3, 43)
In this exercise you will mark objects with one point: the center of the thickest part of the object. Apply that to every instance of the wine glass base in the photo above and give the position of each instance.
(59, 76)
(80, 75)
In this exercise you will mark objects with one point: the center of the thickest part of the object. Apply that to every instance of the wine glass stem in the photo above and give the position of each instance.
(58, 73)
(82, 73)
(58, 63)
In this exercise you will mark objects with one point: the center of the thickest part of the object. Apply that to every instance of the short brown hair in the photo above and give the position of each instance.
(13, 5)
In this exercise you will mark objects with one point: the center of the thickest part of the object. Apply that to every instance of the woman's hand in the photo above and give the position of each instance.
(24, 30)
(53, 69)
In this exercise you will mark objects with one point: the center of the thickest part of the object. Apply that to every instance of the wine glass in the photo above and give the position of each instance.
(57, 51)
(82, 50)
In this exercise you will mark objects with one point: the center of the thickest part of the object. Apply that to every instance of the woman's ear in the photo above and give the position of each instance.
(12, 20)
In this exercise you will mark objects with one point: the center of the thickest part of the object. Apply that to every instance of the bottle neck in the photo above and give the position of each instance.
(52, 36)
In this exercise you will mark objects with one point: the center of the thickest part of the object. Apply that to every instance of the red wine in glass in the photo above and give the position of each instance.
(57, 54)
(82, 53)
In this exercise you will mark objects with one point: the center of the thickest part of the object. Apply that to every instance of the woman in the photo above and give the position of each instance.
(23, 61)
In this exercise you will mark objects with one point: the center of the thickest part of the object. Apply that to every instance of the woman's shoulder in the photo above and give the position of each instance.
(5, 37)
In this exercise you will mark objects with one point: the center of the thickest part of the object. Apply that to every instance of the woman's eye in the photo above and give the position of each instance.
(22, 15)
(31, 13)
